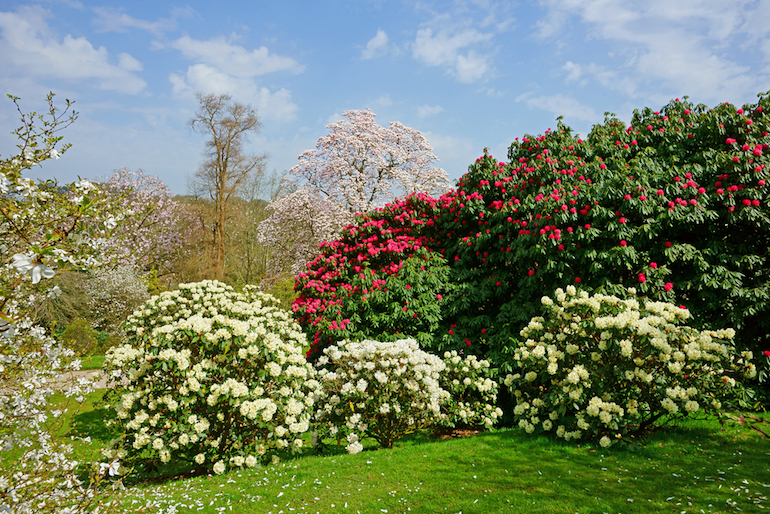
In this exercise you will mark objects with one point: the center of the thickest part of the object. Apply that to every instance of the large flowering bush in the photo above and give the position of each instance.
(382, 390)
(379, 280)
(600, 366)
(674, 204)
(212, 377)
(472, 392)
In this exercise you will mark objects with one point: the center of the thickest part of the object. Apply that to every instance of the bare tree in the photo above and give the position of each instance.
(226, 167)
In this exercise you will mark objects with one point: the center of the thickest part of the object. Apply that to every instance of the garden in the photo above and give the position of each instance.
(579, 327)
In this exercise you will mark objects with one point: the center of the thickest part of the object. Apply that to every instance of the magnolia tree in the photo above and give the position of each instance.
(358, 166)
(153, 232)
(311, 220)
(44, 228)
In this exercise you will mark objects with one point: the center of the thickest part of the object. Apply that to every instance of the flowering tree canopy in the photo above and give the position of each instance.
(358, 166)
(361, 164)
(44, 228)
(152, 233)
(311, 219)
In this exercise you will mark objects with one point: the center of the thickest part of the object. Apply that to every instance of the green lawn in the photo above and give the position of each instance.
(92, 362)
(697, 467)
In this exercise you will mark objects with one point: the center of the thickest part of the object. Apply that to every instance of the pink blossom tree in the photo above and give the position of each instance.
(151, 236)
(357, 167)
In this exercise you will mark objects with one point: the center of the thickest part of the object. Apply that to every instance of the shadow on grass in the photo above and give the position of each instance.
(93, 423)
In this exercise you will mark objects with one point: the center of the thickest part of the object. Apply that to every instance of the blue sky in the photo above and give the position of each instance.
(468, 74)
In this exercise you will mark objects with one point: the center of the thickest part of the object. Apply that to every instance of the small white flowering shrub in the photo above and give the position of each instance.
(378, 390)
(472, 393)
(599, 367)
(214, 377)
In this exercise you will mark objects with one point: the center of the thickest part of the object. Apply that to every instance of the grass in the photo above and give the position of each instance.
(695, 467)
(92, 362)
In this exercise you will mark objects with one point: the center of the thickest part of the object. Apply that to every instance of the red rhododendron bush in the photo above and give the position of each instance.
(380, 280)
(674, 204)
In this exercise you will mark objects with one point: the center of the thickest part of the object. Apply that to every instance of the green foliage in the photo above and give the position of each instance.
(80, 337)
(600, 367)
(381, 280)
(676, 204)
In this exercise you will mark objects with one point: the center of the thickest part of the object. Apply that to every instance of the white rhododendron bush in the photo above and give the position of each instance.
(472, 392)
(378, 390)
(213, 377)
(598, 367)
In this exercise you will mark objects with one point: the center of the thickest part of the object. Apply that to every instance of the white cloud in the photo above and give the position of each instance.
(429, 110)
(560, 105)
(376, 47)
(233, 59)
(443, 48)
(471, 67)
(697, 47)
(129, 63)
(202, 77)
(383, 101)
(574, 71)
(223, 67)
(28, 47)
(334, 118)
(113, 20)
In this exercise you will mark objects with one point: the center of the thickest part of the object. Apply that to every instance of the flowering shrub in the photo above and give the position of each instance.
(472, 392)
(382, 390)
(379, 280)
(600, 366)
(674, 204)
(214, 378)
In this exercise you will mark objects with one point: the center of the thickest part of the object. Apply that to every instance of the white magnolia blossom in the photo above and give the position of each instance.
(30, 263)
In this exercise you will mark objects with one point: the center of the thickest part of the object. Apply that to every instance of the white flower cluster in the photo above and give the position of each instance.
(212, 374)
(382, 390)
(597, 366)
(473, 393)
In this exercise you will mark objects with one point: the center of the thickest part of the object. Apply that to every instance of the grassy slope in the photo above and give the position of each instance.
(696, 468)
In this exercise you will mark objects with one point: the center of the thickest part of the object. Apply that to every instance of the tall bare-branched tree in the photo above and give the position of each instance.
(227, 167)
